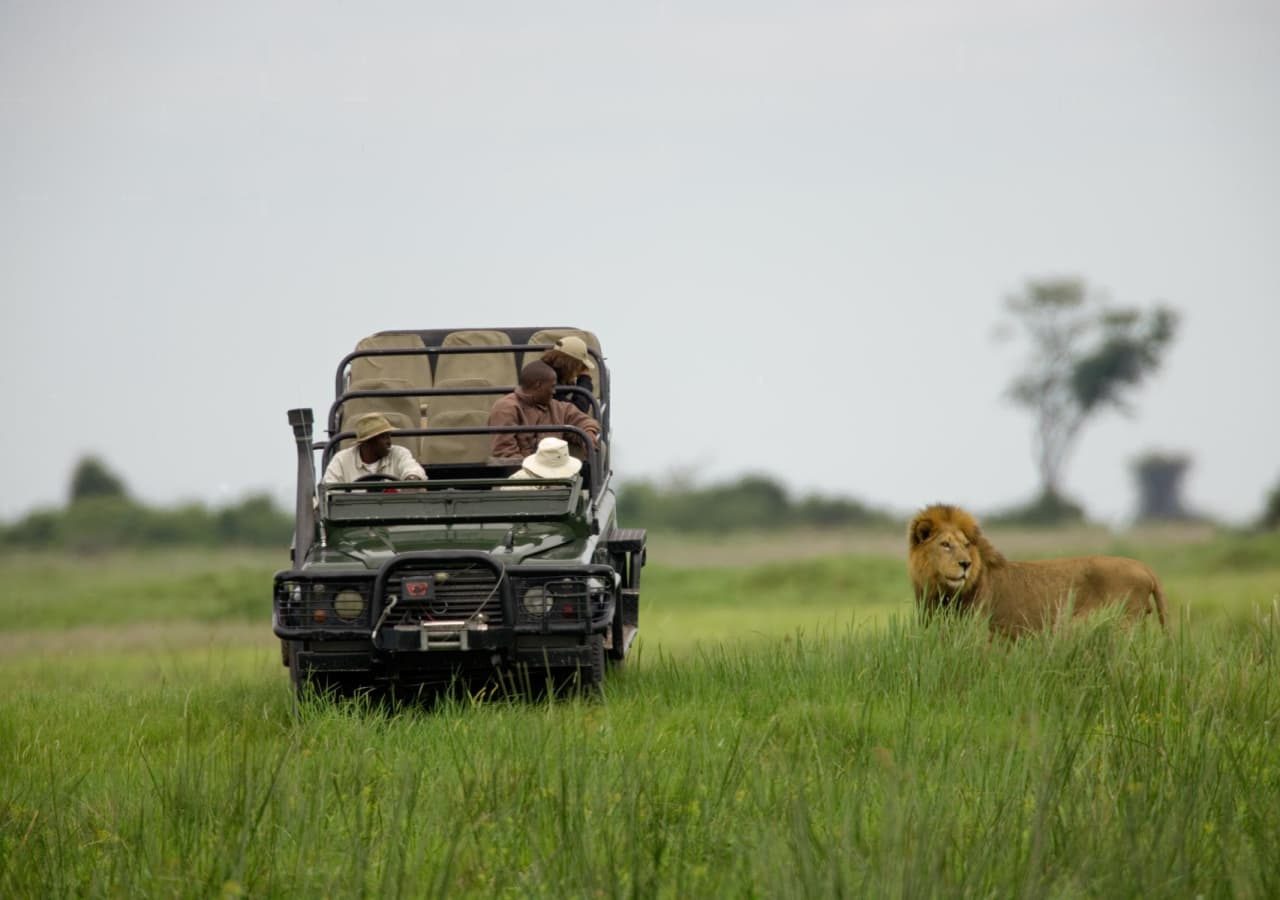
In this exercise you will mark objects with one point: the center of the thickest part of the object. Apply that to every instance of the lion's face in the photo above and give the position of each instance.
(950, 560)
(943, 561)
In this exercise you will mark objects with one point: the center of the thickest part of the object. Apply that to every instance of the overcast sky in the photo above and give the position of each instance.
(791, 225)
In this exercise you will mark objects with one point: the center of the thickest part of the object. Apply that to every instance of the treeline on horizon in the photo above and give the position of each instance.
(101, 515)
(755, 502)
(93, 524)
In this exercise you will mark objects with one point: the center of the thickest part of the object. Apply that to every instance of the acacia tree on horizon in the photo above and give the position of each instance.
(1086, 355)
(93, 478)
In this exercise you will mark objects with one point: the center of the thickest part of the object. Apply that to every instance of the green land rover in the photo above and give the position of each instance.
(459, 581)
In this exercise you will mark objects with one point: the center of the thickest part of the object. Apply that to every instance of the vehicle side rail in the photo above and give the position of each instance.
(435, 503)
(593, 454)
(561, 390)
(435, 351)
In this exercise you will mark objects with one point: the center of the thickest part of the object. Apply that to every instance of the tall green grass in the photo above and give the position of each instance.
(1099, 761)
(784, 730)
(45, 590)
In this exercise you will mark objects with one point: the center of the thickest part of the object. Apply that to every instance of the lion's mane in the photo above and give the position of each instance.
(953, 565)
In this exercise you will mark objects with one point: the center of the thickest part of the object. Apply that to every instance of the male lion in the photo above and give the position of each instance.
(953, 565)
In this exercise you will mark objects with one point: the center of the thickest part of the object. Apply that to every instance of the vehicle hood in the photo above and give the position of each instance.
(372, 546)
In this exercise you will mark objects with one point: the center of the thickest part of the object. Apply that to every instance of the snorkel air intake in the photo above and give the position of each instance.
(304, 517)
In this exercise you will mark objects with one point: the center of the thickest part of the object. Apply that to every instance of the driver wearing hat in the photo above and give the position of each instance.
(373, 454)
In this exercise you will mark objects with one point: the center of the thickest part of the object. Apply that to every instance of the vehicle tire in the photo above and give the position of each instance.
(297, 680)
(318, 684)
(593, 670)
(306, 683)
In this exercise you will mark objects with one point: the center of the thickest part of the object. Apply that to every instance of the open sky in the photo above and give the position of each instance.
(791, 225)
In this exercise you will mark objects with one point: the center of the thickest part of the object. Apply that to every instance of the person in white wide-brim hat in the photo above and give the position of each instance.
(550, 460)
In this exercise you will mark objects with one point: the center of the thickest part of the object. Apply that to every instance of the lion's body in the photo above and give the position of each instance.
(952, 564)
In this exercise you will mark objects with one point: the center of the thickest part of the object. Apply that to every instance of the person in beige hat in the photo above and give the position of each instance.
(373, 454)
(574, 366)
(550, 460)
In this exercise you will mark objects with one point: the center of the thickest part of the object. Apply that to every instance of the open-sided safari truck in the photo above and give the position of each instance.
(414, 585)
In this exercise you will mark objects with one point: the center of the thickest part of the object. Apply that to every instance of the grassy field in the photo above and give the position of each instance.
(785, 729)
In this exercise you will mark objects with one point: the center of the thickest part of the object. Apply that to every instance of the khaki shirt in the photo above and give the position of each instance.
(346, 466)
(530, 482)
(516, 409)
(522, 475)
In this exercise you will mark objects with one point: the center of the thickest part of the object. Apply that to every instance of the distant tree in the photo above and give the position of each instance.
(1159, 477)
(1270, 519)
(92, 478)
(1085, 356)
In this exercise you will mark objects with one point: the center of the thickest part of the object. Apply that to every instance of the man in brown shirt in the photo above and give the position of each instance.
(532, 403)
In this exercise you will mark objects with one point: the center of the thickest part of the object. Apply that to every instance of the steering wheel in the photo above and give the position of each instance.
(378, 476)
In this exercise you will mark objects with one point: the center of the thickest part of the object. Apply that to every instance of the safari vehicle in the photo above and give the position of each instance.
(416, 586)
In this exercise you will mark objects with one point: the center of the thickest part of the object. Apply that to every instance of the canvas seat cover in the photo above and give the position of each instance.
(415, 370)
(551, 335)
(460, 411)
(495, 368)
(401, 412)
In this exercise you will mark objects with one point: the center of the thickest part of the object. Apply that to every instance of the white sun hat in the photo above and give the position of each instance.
(552, 460)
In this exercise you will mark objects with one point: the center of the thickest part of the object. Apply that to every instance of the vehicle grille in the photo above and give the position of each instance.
(459, 590)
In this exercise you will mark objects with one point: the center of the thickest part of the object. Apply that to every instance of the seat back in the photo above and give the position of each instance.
(401, 412)
(459, 411)
(550, 336)
(495, 368)
(415, 370)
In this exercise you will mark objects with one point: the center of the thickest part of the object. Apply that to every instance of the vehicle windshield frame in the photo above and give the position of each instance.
(448, 501)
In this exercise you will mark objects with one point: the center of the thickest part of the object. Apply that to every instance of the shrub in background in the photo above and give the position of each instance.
(752, 502)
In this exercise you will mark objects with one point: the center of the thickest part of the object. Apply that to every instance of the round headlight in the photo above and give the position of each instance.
(348, 604)
(536, 601)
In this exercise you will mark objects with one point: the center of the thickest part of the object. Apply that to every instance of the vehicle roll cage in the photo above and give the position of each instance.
(601, 409)
(599, 406)
(336, 407)
(593, 462)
